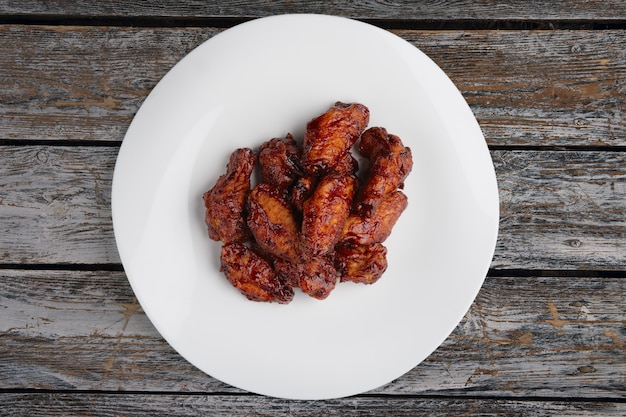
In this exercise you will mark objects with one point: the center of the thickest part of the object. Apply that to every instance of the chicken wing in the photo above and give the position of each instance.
(301, 191)
(330, 136)
(224, 203)
(272, 222)
(253, 275)
(316, 278)
(347, 165)
(278, 161)
(390, 163)
(375, 229)
(325, 213)
(361, 263)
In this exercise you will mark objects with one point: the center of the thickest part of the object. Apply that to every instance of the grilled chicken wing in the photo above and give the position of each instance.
(272, 223)
(330, 136)
(390, 163)
(375, 229)
(278, 161)
(253, 275)
(316, 278)
(325, 213)
(361, 263)
(301, 191)
(347, 165)
(312, 220)
(225, 202)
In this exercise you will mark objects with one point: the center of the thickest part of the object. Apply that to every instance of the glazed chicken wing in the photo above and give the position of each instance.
(272, 222)
(316, 278)
(278, 161)
(330, 136)
(253, 275)
(315, 216)
(347, 165)
(375, 229)
(325, 213)
(301, 191)
(361, 263)
(390, 163)
(225, 202)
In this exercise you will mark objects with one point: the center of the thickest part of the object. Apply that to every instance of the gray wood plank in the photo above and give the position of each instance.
(548, 88)
(96, 405)
(559, 210)
(55, 205)
(82, 83)
(523, 336)
(536, 88)
(423, 10)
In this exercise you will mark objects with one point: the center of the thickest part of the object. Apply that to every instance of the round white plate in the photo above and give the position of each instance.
(263, 79)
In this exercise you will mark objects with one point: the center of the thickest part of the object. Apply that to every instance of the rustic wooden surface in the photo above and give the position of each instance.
(547, 332)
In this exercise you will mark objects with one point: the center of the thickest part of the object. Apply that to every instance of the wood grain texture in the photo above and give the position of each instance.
(546, 334)
(67, 404)
(559, 210)
(55, 205)
(535, 88)
(402, 10)
(522, 337)
(82, 83)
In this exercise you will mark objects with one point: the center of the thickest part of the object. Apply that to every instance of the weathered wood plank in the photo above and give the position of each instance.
(82, 83)
(562, 210)
(84, 330)
(55, 205)
(525, 336)
(537, 88)
(402, 10)
(554, 88)
(533, 336)
(96, 405)
(559, 210)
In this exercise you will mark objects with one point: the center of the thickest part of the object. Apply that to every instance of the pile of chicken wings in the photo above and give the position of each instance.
(317, 216)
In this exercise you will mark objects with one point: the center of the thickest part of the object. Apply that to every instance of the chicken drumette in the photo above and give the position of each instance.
(225, 202)
(325, 213)
(329, 137)
(363, 264)
(361, 230)
(390, 163)
(253, 275)
(272, 222)
(279, 161)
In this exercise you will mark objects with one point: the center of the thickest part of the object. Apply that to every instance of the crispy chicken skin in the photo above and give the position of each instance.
(316, 278)
(375, 229)
(301, 191)
(390, 163)
(272, 223)
(279, 160)
(314, 216)
(361, 263)
(325, 213)
(253, 275)
(330, 136)
(225, 202)
(347, 165)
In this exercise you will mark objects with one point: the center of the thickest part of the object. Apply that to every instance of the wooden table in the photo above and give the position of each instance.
(547, 332)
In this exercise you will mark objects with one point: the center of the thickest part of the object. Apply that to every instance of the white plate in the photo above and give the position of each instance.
(260, 80)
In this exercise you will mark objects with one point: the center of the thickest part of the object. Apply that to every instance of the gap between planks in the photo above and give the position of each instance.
(117, 144)
(239, 394)
(389, 24)
(493, 272)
